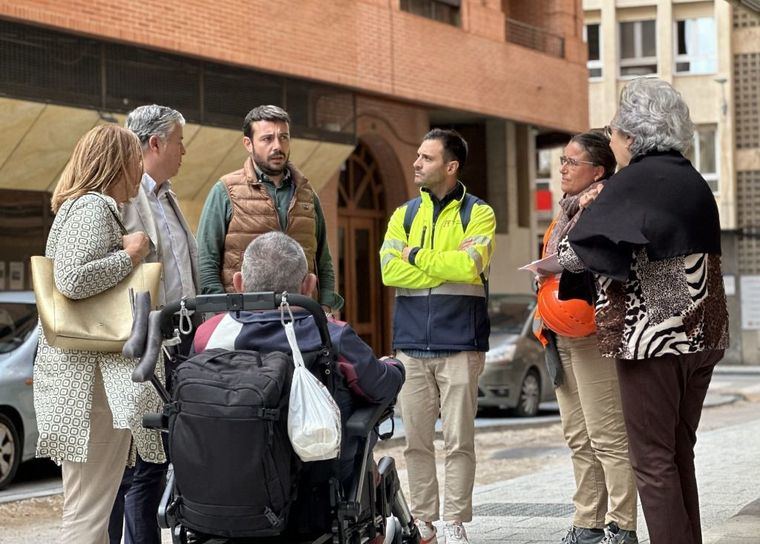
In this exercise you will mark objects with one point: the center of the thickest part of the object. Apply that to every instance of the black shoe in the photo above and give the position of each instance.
(616, 535)
(581, 535)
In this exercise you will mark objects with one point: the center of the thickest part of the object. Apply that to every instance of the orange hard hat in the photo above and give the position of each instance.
(573, 318)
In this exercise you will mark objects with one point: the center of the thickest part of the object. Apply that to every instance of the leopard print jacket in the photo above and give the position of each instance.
(669, 307)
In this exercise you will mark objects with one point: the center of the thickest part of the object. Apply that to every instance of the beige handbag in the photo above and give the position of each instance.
(101, 322)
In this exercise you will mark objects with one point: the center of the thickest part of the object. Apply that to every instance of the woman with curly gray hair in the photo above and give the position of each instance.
(652, 238)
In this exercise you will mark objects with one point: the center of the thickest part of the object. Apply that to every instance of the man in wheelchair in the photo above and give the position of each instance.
(274, 262)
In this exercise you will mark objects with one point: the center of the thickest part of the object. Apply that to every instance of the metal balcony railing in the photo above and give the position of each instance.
(536, 38)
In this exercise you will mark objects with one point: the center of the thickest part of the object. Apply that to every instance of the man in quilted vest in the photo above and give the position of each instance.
(267, 194)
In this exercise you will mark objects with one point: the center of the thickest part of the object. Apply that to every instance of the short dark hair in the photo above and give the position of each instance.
(596, 144)
(264, 113)
(454, 146)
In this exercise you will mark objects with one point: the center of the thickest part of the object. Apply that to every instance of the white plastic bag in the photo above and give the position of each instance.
(313, 415)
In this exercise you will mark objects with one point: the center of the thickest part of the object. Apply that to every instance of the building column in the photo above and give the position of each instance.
(608, 31)
(665, 44)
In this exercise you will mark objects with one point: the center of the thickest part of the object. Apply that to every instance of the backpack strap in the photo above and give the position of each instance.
(465, 211)
(412, 207)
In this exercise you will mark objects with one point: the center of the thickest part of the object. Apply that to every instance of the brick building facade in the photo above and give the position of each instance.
(363, 80)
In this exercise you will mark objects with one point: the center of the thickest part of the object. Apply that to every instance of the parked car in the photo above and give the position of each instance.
(18, 346)
(515, 375)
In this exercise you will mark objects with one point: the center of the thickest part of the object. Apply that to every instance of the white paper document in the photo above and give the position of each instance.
(544, 267)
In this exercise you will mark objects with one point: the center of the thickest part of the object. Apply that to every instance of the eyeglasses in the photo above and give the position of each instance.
(575, 163)
(608, 131)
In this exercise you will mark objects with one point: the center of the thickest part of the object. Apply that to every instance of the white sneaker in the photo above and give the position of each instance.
(428, 533)
(455, 533)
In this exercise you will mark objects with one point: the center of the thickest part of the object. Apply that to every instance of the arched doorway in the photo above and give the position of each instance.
(361, 218)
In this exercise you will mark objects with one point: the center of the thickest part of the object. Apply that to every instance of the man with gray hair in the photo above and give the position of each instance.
(155, 211)
(275, 262)
(267, 194)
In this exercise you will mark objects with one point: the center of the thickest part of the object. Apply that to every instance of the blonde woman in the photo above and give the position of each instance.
(87, 407)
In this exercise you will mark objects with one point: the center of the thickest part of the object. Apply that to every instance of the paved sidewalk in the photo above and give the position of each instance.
(537, 508)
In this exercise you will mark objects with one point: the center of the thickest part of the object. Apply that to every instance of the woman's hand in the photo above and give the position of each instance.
(137, 246)
(589, 196)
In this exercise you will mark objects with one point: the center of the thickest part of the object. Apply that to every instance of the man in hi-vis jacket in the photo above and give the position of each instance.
(436, 254)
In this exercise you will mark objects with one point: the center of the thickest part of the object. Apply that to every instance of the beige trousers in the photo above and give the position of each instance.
(592, 421)
(448, 385)
(89, 488)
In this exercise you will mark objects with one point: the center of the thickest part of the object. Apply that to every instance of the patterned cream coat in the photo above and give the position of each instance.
(85, 243)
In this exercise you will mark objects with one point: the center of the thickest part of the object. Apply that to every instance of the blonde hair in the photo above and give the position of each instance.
(102, 157)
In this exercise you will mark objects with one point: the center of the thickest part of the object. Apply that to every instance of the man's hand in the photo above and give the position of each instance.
(405, 253)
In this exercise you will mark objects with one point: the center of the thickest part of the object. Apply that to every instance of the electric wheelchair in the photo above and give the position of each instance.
(368, 508)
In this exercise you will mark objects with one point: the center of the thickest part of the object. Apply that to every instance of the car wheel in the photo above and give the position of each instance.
(530, 395)
(10, 450)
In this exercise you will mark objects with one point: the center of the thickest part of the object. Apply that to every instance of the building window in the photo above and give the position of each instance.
(696, 48)
(445, 11)
(703, 154)
(638, 48)
(594, 41)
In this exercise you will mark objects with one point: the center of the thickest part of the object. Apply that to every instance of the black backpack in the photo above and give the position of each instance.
(235, 468)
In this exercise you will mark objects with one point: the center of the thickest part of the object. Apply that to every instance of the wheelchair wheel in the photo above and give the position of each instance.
(393, 532)
(412, 538)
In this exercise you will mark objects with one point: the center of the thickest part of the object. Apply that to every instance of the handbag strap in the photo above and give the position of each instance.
(110, 209)
(113, 213)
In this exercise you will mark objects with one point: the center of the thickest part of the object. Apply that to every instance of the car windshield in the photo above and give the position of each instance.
(508, 314)
(17, 321)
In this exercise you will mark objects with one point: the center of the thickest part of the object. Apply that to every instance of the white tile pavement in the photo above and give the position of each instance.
(537, 508)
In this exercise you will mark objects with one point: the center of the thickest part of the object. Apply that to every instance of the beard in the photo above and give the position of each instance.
(266, 166)
(430, 179)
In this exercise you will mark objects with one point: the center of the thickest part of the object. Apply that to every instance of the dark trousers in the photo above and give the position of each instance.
(135, 509)
(662, 403)
(116, 521)
(138, 507)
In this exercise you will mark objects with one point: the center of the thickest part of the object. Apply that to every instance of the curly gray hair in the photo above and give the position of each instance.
(655, 115)
(274, 262)
(147, 121)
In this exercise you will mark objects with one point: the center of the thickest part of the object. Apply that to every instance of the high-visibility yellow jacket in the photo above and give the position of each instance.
(441, 299)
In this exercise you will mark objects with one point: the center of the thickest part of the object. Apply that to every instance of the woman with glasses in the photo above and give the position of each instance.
(652, 238)
(586, 383)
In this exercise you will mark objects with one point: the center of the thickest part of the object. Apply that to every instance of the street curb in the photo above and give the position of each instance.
(25, 495)
(528, 423)
(741, 528)
(711, 401)
(750, 370)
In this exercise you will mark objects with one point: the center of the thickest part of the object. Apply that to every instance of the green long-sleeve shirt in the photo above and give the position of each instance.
(212, 231)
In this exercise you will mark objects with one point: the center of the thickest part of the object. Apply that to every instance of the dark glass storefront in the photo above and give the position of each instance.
(25, 220)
